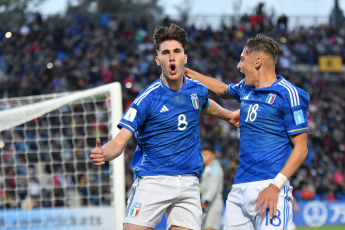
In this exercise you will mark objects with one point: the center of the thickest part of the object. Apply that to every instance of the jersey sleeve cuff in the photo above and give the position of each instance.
(231, 95)
(228, 89)
(207, 105)
(297, 131)
(124, 125)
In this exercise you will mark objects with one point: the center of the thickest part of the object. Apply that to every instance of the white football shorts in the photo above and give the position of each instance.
(178, 196)
(241, 203)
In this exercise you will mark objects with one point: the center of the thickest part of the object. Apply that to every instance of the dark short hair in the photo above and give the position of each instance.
(209, 148)
(262, 43)
(173, 32)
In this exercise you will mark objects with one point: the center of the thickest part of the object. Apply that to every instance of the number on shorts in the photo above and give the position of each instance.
(277, 217)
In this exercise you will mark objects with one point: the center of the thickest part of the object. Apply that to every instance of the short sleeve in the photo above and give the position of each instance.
(236, 90)
(135, 115)
(295, 113)
(206, 102)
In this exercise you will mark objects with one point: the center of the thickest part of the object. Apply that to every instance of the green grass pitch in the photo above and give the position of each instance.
(323, 228)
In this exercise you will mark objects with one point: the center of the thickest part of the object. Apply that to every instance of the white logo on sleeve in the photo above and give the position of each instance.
(130, 115)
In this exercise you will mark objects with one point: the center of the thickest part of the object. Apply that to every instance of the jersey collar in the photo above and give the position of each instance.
(184, 85)
(279, 79)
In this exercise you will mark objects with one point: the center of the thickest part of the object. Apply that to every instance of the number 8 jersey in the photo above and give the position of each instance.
(268, 117)
(165, 123)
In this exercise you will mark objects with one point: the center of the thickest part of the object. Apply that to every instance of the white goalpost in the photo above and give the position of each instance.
(47, 180)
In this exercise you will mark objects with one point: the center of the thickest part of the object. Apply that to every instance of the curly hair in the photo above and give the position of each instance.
(173, 32)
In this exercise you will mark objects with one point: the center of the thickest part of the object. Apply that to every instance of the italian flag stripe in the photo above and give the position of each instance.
(134, 212)
(269, 100)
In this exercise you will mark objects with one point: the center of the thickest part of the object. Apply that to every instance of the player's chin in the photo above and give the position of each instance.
(173, 76)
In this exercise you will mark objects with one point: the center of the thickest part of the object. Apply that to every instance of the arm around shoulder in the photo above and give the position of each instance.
(217, 87)
(215, 110)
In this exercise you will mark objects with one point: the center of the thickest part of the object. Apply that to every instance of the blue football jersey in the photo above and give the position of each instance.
(268, 117)
(165, 123)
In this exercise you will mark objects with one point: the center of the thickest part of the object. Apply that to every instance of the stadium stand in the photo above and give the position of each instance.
(47, 56)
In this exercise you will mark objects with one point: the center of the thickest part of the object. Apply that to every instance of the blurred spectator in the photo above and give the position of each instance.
(211, 190)
(282, 24)
(80, 52)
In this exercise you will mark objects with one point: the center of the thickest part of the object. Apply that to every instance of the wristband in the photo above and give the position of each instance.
(279, 180)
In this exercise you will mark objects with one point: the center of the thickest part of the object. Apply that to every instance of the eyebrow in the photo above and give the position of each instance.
(176, 49)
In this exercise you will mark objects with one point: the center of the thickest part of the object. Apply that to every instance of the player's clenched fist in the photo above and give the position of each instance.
(97, 155)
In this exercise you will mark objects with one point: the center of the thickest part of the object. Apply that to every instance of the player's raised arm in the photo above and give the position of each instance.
(112, 149)
(215, 110)
(217, 87)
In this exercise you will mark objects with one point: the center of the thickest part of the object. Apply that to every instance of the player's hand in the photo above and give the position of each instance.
(204, 206)
(186, 71)
(97, 155)
(268, 198)
(295, 206)
(235, 118)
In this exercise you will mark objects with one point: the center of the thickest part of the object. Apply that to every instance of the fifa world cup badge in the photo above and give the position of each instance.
(135, 209)
(195, 100)
(299, 118)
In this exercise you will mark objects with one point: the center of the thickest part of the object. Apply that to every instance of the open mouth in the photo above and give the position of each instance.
(172, 69)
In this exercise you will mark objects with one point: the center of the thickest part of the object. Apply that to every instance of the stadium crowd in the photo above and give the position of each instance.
(79, 52)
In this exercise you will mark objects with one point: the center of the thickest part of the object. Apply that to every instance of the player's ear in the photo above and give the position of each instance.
(258, 62)
(157, 61)
(185, 58)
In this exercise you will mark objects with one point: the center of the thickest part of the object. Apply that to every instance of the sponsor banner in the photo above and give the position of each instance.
(330, 63)
(311, 213)
(320, 213)
(83, 218)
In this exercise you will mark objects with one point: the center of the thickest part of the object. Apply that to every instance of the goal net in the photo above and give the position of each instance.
(47, 180)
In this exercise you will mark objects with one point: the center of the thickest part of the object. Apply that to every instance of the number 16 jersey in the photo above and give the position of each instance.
(165, 123)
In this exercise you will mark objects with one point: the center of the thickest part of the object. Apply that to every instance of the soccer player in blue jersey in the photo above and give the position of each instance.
(167, 162)
(273, 138)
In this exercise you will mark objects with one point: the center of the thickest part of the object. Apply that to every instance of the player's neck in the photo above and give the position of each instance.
(173, 84)
(266, 80)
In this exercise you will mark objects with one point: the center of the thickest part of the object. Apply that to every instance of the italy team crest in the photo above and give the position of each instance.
(195, 100)
(135, 209)
(270, 98)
